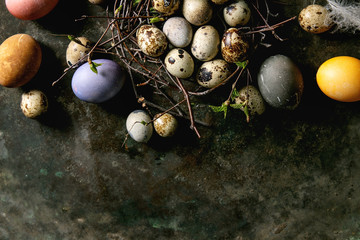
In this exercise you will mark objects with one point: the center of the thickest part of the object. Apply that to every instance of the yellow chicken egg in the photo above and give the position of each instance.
(339, 78)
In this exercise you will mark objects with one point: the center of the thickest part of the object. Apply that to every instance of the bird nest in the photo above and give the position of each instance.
(169, 93)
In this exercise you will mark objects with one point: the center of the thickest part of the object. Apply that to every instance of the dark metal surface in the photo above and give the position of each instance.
(285, 175)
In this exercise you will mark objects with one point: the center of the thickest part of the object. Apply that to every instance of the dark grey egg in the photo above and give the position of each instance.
(280, 82)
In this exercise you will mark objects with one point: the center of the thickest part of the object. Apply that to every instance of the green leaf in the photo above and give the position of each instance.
(222, 108)
(237, 106)
(242, 64)
(234, 94)
(71, 37)
(143, 123)
(118, 10)
(93, 66)
(135, 2)
(75, 39)
(246, 111)
(156, 19)
(153, 11)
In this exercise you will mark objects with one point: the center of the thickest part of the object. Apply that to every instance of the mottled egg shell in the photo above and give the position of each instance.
(280, 82)
(237, 13)
(168, 7)
(101, 86)
(213, 73)
(76, 51)
(33, 103)
(139, 126)
(20, 60)
(219, 2)
(251, 96)
(315, 19)
(179, 63)
(165, 124)
(205, 45)
(30, 9)
(178, 31)
(151, 40)
(234, 47)
(197, 12)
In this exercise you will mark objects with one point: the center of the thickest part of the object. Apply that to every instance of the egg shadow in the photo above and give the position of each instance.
(56, 116)
(62, 19)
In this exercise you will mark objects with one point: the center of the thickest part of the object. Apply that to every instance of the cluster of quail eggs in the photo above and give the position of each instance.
(188, 37)
(187, 40)
(191, 47)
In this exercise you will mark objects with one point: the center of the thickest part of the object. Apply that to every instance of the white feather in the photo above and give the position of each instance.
(345, 15)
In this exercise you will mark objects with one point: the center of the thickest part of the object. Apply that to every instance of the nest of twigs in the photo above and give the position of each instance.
(168, 93)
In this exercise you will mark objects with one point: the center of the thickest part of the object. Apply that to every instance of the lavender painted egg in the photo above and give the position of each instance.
(98, 87)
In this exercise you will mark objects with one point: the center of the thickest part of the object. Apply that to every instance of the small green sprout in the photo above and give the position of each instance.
(222, 108)
(136, 2)
(242, 64)
(118, 10)
(93, 66)
(156, 19)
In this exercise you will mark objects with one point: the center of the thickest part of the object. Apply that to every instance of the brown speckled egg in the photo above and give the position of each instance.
(250, 96)
(315, 19)
(168, 7)
(20, 59)
(151, 40)
(165, 124)
(205, 45)
(197, 12)
(237, 13)
(213, 73)
(234, 47)
(76, 51)
(179, 63)
(33, 103)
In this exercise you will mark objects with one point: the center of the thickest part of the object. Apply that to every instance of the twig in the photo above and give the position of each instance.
(186, 95)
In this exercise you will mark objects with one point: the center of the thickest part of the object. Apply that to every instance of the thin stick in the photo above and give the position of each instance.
(186, 95)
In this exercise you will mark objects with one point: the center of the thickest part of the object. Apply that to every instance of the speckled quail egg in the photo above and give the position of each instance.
(251, 97)
(76, 51)
(139, 126)
(280, 82)
(33, 103)
(234, 46)
(213, 73)
(165, 124)
(179, 63)
(237, 13)
(197, 12)
(178, 31)
(219, 2)
(315, 19)
(206, 42)
(151, 40)
(167, 7)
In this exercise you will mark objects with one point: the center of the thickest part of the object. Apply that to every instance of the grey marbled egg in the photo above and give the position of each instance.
(280, 82)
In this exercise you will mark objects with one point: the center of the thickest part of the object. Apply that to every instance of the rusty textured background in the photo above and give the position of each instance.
(285, 175)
